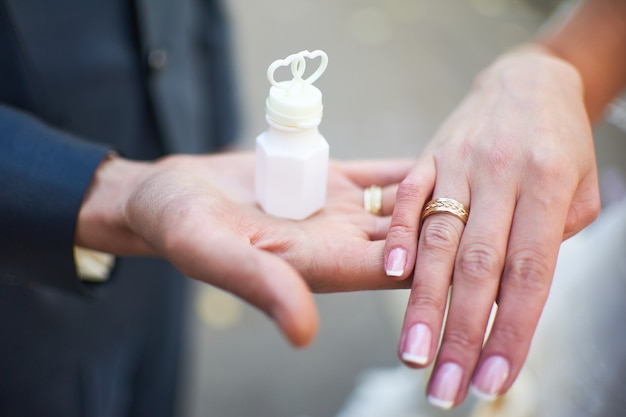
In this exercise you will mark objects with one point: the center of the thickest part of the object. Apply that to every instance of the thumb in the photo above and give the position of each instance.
(264, 280)
(198, 231)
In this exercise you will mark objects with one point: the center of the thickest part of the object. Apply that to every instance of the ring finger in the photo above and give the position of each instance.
(476, 279)
(438, 243)
(379, 201)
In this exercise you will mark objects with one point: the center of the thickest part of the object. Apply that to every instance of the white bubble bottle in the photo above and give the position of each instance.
(291, 155)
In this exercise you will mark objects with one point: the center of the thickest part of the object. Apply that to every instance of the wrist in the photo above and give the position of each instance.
(532, 69)
(102, 224)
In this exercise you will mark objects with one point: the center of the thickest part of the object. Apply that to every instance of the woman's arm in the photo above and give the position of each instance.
(593, 40)
(518, 152)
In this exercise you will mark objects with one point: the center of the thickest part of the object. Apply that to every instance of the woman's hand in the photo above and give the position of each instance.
(200, 213)
(518, 152)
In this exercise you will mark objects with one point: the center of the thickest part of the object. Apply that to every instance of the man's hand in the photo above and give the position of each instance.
(199, 212)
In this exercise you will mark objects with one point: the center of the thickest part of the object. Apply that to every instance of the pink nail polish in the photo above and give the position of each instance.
(444, 387)
(490, 379)
(416, 347)
(395, 262)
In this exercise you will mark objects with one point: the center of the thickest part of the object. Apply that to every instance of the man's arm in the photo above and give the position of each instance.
(44, 174)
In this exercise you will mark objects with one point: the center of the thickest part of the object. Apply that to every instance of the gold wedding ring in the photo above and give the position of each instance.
(446, 205)
(373, 199)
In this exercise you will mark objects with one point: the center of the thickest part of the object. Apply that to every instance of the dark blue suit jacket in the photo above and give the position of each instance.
(78, 78)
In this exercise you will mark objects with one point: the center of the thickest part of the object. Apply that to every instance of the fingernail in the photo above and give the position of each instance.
(490, 378)
(395, 262)
(445, 386)
(416, 347)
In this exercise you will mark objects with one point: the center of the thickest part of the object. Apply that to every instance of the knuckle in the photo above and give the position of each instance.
(510, 334)
(590, 209)
(405, 219)
(406, 190)
(439, 235)
(411, 186)
(549, 166)
(581, 215)
(426, 301)
(478, 262)
(529, 271)
(585, 206)
(498, 156)
(462, 339)
(593, 210)
(402, 232)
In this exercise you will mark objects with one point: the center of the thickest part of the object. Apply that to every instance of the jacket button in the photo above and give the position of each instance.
(157, 59)
(10, 279)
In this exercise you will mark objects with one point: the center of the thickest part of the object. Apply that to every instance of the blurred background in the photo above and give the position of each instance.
(396, 70)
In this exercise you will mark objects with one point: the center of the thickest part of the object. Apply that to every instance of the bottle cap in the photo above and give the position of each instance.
(295, 103)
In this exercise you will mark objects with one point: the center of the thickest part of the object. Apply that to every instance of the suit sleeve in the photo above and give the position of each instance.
(44, 174)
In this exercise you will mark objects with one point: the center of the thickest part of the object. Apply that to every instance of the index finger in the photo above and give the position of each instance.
(401, 242)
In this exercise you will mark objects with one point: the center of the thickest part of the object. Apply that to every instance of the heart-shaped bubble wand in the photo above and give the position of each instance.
(291, 155)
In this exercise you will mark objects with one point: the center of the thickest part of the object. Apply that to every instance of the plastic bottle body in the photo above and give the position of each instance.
(291, 171)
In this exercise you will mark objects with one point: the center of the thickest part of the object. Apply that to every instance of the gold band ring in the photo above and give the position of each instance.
(446, 205)
(373, 199)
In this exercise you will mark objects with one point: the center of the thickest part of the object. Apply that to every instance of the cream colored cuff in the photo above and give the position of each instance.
(93, 266)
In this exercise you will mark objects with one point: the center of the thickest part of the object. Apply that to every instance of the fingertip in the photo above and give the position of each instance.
(412, 360)
(445, 385)
(301, 326)
(481, 395)
(415, 345)
(491, 377)
(279, 290)
(295, 312)
(396, 263)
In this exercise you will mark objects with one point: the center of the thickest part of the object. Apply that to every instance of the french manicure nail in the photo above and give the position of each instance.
(445, 386)
(396, 262)
(490, 378)
(416, 347)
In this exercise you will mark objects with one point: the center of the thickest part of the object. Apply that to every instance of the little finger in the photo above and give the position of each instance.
(531, 258)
